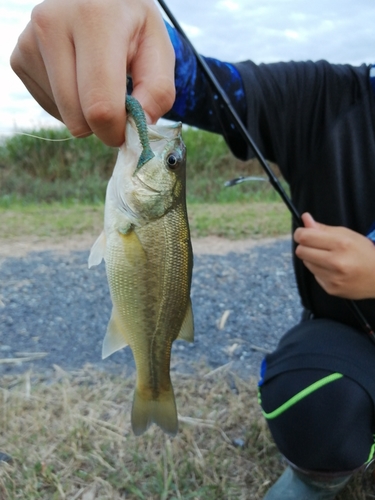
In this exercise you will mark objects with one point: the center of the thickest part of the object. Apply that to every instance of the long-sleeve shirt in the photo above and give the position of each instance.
(315, 120)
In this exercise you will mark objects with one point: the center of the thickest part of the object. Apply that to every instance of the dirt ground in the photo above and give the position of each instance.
(210, 245)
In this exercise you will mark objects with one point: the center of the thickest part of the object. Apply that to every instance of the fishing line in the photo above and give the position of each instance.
(247, 137)
(71, 138)
(44, 138)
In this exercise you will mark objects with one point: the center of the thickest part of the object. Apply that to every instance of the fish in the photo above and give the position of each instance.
(148, 256)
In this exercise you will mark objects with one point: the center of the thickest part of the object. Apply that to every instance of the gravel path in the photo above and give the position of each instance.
(52, 304)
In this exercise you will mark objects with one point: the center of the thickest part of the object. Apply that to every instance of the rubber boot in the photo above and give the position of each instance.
(297, 485)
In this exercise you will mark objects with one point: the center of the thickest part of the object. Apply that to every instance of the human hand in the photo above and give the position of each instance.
(342, 261)
(74, 57)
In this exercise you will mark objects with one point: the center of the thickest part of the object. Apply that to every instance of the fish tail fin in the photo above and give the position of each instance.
(162, 411)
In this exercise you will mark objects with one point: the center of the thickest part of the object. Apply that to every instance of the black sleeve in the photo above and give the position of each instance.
(291, 107)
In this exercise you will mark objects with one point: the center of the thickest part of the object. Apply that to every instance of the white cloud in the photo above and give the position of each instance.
(340, 31)
(191, 31)
(229, 5)
(294, 35)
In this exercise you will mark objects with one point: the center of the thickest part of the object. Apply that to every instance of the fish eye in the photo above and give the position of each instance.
(173, 161)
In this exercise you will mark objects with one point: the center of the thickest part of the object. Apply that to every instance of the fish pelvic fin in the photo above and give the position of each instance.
(187, 328)
(162, 411)
(97, 251)
(115, 338)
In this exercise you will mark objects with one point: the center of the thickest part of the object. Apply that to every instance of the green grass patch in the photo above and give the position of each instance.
(50, 220)
(77, 170)
(239, 220)
(230, 220)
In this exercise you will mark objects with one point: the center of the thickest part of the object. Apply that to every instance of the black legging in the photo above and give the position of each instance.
(330, 428)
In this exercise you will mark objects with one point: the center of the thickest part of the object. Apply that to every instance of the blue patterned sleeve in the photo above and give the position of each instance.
(197, 104)
(371, 234)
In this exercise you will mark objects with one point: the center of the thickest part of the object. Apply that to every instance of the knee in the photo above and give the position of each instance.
(319, 420)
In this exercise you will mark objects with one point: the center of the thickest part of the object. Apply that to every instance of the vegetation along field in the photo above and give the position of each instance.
(68, 437)
(58, 188)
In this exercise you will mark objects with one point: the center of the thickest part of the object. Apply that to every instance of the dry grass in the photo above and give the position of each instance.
(70, 438)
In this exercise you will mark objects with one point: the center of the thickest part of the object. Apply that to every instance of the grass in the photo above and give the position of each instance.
(54, 189)
(239, 220)
(230, 220)
(50, 220)
(69, 437)
(77, 170)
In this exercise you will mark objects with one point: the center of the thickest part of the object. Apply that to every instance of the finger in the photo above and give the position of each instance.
(314, 238)
(103, 102)
(323, 277)
(314, 256)
(58, 54)
(319, 273)
(333, 284)
(102, 76)
(39, 95)
(308, 221)
(27, 63)
(306, 236)
(153, 70)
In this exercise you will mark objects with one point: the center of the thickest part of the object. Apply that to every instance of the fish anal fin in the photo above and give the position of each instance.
(97, 251)
(161, 411)
(115, 338)
(187, 328)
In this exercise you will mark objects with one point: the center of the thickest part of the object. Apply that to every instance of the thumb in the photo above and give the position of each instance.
(152, 70)
(309, 221)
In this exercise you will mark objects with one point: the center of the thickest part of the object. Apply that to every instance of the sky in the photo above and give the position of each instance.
(340, 31)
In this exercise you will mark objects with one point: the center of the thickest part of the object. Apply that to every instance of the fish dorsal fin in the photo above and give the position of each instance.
(97, 250)
(115, 338)
(187, 329)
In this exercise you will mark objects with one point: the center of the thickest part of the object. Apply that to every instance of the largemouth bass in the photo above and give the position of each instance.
(148, 256)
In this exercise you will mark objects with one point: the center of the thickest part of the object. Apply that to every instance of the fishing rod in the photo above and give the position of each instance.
(241, 127)
(274, 181)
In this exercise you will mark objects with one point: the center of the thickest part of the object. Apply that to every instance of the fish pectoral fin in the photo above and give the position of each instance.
(187, 328)
(115, 338)
(161, 411)
(134, 253)
(97, 251)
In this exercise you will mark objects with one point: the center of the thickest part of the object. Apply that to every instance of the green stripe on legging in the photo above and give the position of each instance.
(372, 451)
(300, 395)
